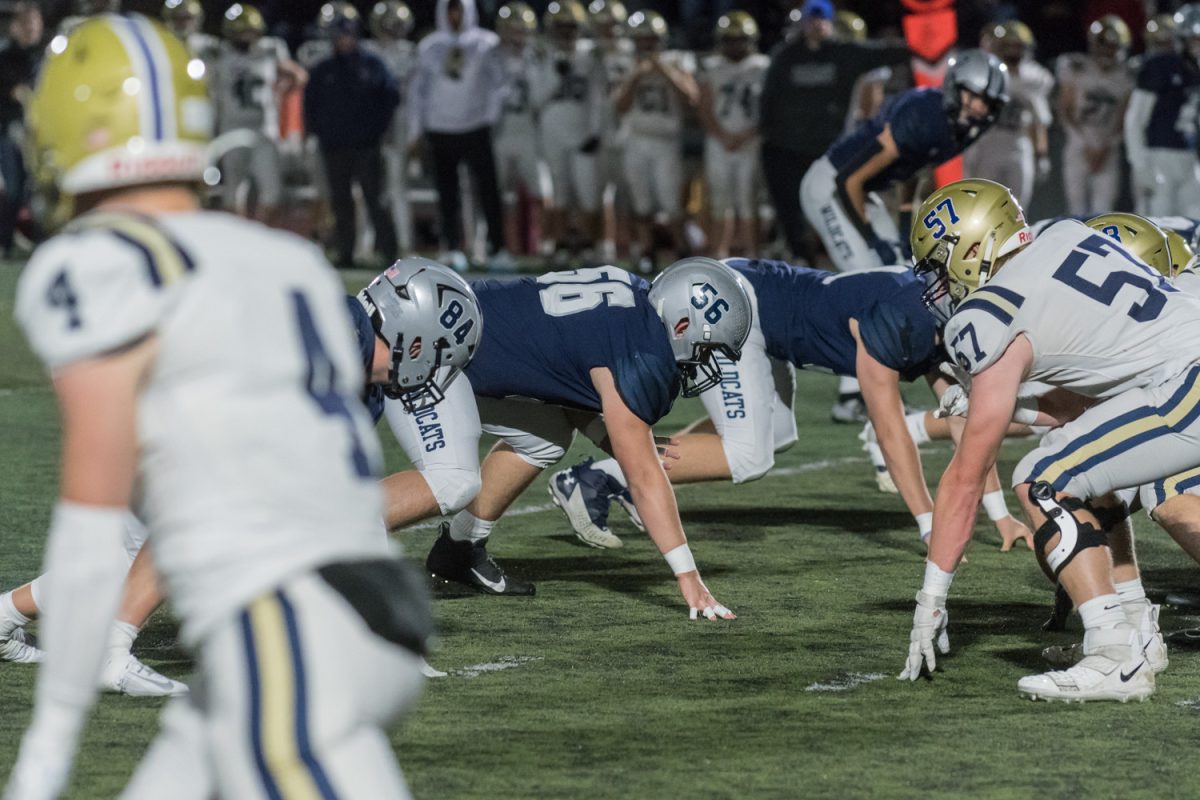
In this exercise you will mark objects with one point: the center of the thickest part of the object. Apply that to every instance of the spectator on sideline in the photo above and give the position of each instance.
(18, 60)
(804, 103)
(456, 96)
(348, 105)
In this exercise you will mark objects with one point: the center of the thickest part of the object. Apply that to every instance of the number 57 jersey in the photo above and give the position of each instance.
(256, 458)
(1100, 321)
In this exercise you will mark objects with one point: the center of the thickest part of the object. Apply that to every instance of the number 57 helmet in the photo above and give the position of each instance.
(706, 310)
(430, 319)
(959, 234)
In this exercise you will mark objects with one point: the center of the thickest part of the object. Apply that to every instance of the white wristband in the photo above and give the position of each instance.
(1026, 411)
(680, 559)
(925, 524)
(937, 583)
(994, 505)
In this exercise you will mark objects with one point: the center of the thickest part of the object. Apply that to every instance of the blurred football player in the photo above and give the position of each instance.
(1003, 291)
(914, 130)
(1161, 35)
(652, 103)
(569, 94)
(206, 376)
(1093, 93)
(607, 21)
(1016, 150)
(250, 73)
(1160, 125)
(185, 19)
(869, 323)
(730, 88)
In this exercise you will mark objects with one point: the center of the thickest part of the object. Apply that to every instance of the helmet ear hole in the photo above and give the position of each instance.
(682, 325)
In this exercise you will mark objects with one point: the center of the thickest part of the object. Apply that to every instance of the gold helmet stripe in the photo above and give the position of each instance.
(155, 88)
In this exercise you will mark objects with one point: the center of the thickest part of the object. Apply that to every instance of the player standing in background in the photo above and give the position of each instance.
(1160, 125)
(606, 19)
(915, 130)
(185, 19)
(251, 72)
(730, 87)
(652, 103)
(1093, 93)
(519, 164)
(391, 22)
(570, 97)
(206, 376)
(1016, 150)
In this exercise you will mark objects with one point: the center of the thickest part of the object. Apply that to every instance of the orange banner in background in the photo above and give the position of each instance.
(931, 30)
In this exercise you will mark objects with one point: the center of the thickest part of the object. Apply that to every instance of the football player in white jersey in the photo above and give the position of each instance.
(652, 102)
(516, 138)
(185, 19)
(1074, 310)
(1093, 92)
(250, 73)
(206, 377)
(569, 94)
(1015, 151)
(606, 19)
(729, 90)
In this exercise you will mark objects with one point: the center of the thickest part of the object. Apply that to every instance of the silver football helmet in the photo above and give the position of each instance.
(706, 310)
(981, 74)
(430, 318)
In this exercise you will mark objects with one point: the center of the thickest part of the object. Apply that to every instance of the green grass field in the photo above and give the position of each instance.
(599, 687)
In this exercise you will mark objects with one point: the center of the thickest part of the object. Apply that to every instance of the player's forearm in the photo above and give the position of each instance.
(958, 496)
(655, 502)
(904, 463)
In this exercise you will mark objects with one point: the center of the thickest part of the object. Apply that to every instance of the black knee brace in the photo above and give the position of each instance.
(1074, 535)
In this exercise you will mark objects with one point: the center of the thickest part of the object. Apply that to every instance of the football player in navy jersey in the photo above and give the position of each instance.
(916, 129)
(871, 323)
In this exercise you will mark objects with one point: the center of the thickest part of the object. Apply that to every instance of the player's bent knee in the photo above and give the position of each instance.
(746, 466)
(453, 489)
(1074, 534)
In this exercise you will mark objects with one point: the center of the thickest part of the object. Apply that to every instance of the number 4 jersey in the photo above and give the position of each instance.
(1100, 321)
(543, 336)
(256, 458)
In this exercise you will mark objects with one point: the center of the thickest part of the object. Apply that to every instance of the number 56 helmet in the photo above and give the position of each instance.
(117, 103)
(959, 234)
(430, 319)
(706, 310)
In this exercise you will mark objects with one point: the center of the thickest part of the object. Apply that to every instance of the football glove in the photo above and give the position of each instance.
(929, 628)
(954, 403)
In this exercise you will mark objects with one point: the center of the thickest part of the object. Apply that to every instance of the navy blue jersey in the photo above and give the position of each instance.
(542, 336)
(1173, 78)
(372, 395)
(921, 131)
(805, 316)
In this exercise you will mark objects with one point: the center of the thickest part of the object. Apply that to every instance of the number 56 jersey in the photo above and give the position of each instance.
(1100, 321)
(256, 458)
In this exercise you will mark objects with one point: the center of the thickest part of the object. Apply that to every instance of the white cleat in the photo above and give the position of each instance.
(124, 674)
(586, 518)
(1155, 649)
(429, 671)
(883, 478)
(18, 649)
(1113, 668)
(625, 500)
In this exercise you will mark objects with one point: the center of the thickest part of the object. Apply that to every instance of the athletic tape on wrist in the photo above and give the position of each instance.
(994, 505)
(937, 581)
(680, 559)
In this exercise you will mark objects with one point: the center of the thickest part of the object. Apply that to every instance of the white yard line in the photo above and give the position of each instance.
(844, 683)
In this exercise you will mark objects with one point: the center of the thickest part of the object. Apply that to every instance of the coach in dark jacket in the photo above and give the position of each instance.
(349, 103)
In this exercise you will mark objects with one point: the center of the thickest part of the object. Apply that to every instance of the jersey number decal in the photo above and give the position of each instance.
(321, 381)
(567, 293)
(705, 294)
(247, 88)
(61, 295)
(572, 88)
(733, 95)
(1096, 245)
(653, 98)
(933, 220)
(967, 336)
(451, 316)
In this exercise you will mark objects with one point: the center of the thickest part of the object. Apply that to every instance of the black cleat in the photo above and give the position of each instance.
(470, 563)
(1063, 606)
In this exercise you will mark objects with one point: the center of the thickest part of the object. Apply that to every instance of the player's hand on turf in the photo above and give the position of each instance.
(1012, 531)
(668, 450)
(700, 601)
(954, 403)
(929, 631)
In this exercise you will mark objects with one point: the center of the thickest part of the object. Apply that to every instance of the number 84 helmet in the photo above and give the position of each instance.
(958, 236)
(706, 310)
(429, 317)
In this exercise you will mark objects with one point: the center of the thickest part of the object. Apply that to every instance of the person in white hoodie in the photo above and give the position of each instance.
(456, 96)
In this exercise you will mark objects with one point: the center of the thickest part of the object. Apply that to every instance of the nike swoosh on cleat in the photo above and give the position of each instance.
(496, 586)
(1125, 678)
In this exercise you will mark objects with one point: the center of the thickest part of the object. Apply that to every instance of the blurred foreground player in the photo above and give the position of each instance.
(205, 375)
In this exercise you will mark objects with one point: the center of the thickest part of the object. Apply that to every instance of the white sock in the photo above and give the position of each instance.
(1133, 600)
(848, 386)
(37, 589)
(10, 618)
(916, 427)
(610, 467)
(1104, 611)
(121, 636)
(467, 527)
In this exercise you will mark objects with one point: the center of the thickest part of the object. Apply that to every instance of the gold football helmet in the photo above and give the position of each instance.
(737, 25)
(183, 17)
(243, 21)
(648, 25)
(959, 234)
(117, 103)
(391, 19)
(1183, 257)
(516, 18)
(1160, 33)
(849, 27)
(1109, 34)
(337, 15)
(607, 16)
(1141, 237)
(564, 15)
(1009, 41)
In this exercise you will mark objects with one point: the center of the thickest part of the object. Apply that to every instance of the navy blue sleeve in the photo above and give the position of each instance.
(648, 384)
(910, 122)
(901, 335)
(364, 331)
(1153, 75)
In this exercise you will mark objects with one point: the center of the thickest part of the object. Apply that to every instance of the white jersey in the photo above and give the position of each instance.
(313, 52)
(569, 95)
(1100, 322)
(658, 110)
(736, 89)
(257, 459)
(243, 86)
(1029, 90)
(617, 61)
(1100, 97)
(518, 118)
